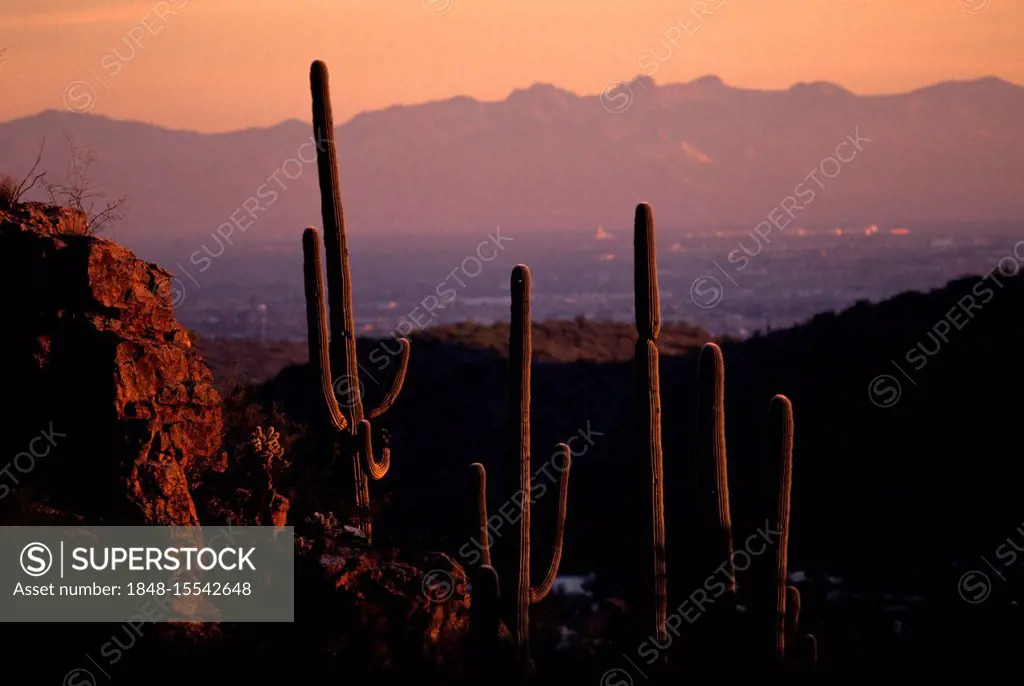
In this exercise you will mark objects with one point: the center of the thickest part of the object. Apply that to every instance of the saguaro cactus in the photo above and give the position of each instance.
(711, 490)
(516, 564)
(712, 542)
(709, 548)
(648, 403)
(338, 350)
(781, 415)
(770, 576)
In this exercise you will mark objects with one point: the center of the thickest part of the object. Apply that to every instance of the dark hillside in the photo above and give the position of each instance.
(916, 482)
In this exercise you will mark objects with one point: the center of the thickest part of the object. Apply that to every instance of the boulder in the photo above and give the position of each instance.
(114, 413)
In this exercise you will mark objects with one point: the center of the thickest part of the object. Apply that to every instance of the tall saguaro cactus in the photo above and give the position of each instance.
(338, 349)
(648, 403)
(516, 564)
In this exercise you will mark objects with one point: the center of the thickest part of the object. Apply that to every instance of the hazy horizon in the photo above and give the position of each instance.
(341, 122)
(224, 66)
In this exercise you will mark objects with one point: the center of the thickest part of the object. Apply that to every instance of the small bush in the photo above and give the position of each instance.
(8, 192)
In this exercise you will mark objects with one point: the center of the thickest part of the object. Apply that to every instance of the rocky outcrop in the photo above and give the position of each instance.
(99, 368)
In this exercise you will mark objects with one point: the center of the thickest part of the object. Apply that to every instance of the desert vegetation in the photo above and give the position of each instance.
(89, 211)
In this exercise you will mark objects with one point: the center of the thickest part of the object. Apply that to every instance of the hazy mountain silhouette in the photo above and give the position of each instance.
(705, 154)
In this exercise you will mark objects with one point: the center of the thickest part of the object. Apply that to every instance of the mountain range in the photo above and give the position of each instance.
(708, 156)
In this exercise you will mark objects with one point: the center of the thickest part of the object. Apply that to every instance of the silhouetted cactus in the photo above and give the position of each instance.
(711, 492)
(648, 405)
(769, 573)
(338, 349)
(515, 606)
(712, 544)
(781, 426)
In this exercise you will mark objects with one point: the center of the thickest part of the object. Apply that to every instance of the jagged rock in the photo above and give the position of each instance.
(95, 360)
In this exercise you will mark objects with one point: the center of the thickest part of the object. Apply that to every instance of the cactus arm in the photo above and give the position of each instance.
(378, 470)
(316, 322)
(781, 414)
(711, 468)
(396, 383)
(538, 593)
(478, 511)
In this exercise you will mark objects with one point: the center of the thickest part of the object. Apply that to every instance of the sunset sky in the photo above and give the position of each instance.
(216, 65)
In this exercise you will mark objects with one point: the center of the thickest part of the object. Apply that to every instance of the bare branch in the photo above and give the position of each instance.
(12, 190)
(32, 178)
(80, 193)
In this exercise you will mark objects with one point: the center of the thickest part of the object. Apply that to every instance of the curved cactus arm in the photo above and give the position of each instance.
(396, 383)
(478, 494)
(316, 322)
(378, 470)
(538, 593)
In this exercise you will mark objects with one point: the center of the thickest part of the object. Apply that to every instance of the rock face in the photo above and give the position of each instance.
(100, 369)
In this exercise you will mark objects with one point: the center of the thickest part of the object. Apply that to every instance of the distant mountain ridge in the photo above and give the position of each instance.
(705, 154)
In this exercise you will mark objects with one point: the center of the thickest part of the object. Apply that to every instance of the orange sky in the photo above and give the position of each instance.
(217, 65)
